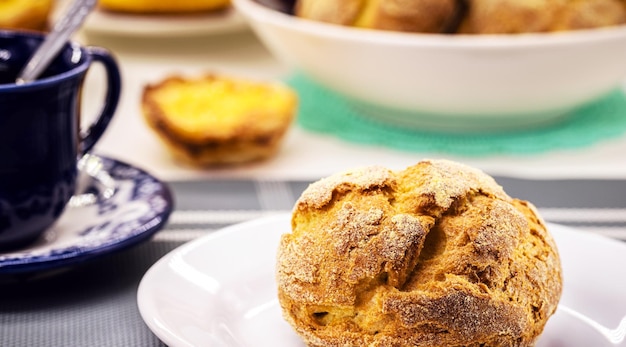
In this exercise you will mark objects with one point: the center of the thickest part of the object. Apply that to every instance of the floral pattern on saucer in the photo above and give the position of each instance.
(139, 207)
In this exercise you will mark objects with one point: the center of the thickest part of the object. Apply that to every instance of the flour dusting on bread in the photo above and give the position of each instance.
(433, 255)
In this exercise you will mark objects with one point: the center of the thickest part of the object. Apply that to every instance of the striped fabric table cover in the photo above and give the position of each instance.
(95, 304)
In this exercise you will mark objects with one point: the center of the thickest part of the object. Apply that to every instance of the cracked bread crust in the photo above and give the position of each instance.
(435, 255)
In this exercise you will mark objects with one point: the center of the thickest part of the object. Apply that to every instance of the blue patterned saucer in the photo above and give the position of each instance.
(118, 206)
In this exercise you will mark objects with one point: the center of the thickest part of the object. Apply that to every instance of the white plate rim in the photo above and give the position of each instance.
(133, 25)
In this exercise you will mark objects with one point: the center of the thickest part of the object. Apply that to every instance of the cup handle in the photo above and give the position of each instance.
(114, 85)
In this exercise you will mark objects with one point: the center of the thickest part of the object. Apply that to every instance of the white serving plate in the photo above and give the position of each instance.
(219, 290)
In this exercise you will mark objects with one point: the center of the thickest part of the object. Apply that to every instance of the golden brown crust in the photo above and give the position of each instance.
(587, 14)
(467, 16)
(344, 12)
(515, 16)
(187, 116)
(427, 16)
(434, 255)
(423, 16)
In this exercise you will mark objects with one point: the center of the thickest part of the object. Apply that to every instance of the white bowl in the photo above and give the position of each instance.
(449, 81)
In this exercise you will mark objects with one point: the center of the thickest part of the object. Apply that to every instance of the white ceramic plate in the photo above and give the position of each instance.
(219, 290)
(110, 23)
(166, 25)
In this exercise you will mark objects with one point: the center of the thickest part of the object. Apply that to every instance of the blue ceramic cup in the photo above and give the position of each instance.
(40, 133)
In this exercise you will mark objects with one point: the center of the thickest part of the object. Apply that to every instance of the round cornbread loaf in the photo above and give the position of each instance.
(515, 16)
(434, 255)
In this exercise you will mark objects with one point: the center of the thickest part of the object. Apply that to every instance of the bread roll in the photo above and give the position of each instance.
(434, 255)
(427, 16)
(211, 119)
(515, 16)
(588, 14)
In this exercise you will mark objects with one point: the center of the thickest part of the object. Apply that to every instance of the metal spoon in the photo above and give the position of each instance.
(71, 20)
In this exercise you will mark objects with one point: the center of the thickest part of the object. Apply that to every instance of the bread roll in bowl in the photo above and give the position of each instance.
(434, 255)
(467, 16)
(515, 16)
(428, 16)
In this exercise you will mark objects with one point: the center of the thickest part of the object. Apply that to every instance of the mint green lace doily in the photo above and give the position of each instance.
(323, 111)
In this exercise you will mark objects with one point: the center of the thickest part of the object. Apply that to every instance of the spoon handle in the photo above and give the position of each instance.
(61, 32)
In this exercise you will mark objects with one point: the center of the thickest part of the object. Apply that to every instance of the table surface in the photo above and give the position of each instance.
(304, 155)
(95, 304)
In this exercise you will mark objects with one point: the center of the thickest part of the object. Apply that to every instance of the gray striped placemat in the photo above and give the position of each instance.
(597, 206)
(95, 304)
